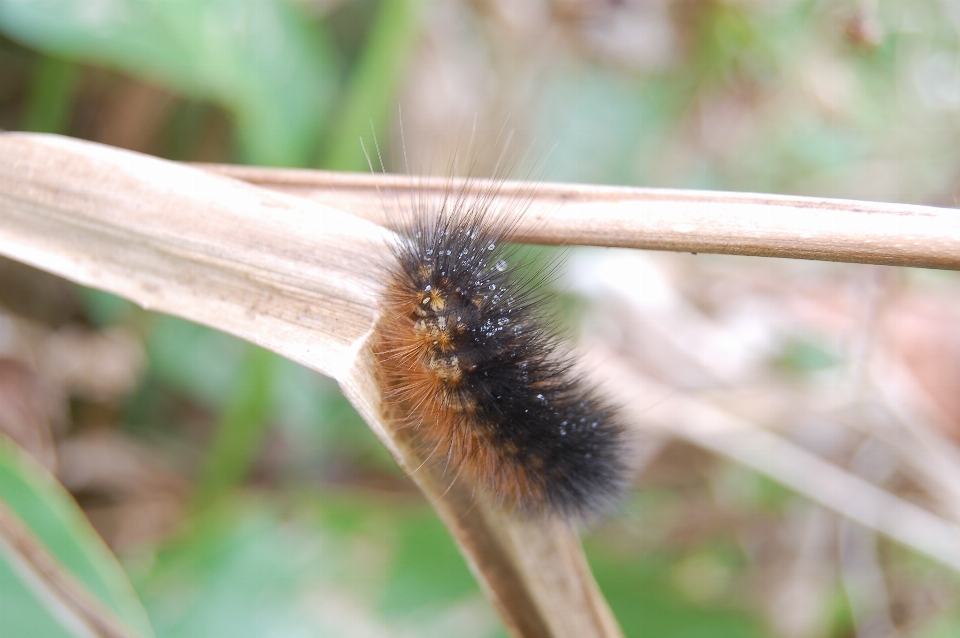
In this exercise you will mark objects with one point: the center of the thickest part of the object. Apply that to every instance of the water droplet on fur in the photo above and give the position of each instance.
(491, 246)
(501, 265)
(493, 286)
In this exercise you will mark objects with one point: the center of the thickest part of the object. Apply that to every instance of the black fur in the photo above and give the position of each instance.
(513, 386)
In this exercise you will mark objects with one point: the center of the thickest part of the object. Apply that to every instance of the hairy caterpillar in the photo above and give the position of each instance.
(469, 360)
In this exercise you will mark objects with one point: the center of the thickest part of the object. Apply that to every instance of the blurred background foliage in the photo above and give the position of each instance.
(243, 495)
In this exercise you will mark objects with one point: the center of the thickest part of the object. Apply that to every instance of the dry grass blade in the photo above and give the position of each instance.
(52, 583)
(291, 275)
(755, 447)
(176, 240)
(935, 459)
(659, 219)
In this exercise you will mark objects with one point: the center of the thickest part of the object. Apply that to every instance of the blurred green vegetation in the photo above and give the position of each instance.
(299, 522)
(46, 508)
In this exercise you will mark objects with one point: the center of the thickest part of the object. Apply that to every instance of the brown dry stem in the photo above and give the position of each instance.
(662, 219)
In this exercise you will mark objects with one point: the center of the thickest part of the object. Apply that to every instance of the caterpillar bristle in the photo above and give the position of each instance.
(468, 358)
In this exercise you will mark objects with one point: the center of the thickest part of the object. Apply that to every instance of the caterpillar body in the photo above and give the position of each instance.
(469, 360)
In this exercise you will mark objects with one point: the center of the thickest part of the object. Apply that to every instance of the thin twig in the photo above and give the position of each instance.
(764, 451)
(661, 219)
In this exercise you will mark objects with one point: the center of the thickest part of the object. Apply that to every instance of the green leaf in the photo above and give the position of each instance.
(318, 563)
(52, 515)
(262, 60)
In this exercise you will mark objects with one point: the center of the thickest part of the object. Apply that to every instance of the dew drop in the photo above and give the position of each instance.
(501, 265)
(491, 246)
(493, 286)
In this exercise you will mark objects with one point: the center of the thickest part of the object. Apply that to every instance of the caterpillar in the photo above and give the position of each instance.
(469, 358)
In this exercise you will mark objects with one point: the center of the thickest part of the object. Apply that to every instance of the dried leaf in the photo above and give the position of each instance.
(291, 275)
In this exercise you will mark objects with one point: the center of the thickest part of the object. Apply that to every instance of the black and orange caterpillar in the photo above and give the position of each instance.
(468, 359)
